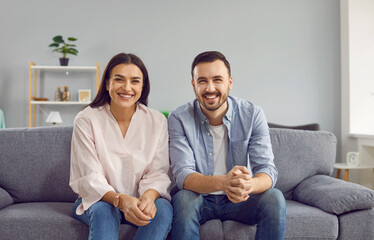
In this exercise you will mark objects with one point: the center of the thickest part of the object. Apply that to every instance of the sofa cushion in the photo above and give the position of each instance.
(35, 164)
(299, 154)
(5, 199)
(48, 220)
(333, 195)
(211, 230)
(302, 222)
(357, 223)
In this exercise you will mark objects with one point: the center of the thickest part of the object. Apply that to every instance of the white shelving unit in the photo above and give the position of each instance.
(58, 103)
(34, 69)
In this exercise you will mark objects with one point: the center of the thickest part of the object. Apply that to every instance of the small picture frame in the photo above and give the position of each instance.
(84, 95)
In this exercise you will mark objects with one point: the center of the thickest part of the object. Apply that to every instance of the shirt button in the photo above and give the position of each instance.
(210, 154)
(208, 133)
(202, 122)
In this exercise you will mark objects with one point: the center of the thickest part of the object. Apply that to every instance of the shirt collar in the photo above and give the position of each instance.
(139, 106)
(202, 118)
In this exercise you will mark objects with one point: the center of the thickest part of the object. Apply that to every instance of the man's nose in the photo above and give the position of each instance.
(210, 87)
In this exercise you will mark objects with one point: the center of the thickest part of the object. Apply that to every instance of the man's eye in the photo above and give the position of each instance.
(118, 79)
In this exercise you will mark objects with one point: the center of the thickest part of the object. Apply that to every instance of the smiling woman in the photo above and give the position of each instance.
(103, 97)
(125, 87)
(120, 157)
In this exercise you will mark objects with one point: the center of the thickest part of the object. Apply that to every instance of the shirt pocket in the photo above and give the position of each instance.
(239, 152)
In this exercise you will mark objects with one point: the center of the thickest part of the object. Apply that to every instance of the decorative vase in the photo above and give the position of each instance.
(64, 61)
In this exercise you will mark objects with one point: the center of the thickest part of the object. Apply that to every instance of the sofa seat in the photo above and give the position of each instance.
(317, 225)
(46, 220)
(54, 220)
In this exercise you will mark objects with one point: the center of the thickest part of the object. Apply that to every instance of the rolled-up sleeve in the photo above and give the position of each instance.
(87, 177)
(259, 148)
(181, 155)
(156, 175)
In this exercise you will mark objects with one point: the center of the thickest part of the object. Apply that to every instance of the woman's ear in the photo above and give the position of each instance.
(107, 84)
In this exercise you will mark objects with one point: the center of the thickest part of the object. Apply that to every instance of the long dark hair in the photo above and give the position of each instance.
(102, 96)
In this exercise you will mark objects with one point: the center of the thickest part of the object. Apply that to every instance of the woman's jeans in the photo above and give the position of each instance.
(267, 210)
(104, 220)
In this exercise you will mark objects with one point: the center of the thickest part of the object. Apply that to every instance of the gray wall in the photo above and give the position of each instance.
(285, 55)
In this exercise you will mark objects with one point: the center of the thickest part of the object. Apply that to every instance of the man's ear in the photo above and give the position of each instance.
(193, 84)
(230, 82)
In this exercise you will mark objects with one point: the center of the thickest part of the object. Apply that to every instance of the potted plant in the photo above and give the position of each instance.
(66, 48)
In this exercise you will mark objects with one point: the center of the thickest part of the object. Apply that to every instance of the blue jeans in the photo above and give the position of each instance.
(267, 210)
(104, 220)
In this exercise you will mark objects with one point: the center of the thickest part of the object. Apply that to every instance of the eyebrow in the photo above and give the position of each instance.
(120, 76)
(217, 76)
(201, 78)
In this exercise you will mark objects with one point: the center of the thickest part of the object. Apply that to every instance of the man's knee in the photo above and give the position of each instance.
(273, 201)
(186, 202)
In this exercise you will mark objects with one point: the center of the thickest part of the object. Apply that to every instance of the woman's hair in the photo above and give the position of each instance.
(102, 96)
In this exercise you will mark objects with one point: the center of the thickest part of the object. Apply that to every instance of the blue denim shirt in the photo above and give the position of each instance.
(191, 143)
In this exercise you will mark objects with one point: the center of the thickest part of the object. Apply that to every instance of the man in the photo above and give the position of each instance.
(221, 157)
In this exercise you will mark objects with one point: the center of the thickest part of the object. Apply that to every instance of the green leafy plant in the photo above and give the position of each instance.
(66, 47)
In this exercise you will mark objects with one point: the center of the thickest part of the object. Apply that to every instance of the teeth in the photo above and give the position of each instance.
(125, 95)
(210, 97)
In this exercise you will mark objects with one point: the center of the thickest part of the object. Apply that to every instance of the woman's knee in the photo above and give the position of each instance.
(104, 210)
(164, 208)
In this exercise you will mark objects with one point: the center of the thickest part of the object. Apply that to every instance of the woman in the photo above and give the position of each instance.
(120, 158)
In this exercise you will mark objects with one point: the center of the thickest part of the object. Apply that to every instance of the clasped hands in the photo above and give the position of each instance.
(238, 184)
(139, 211)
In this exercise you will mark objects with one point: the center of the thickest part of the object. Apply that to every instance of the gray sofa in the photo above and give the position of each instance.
(36, 200)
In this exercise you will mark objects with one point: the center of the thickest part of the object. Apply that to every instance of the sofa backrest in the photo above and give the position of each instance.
(299, 154)
(35, 164)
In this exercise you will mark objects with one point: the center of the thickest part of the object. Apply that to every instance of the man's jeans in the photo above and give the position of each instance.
(104, 221)
(267, 210)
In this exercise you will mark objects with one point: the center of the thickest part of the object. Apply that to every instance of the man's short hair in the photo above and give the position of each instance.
(210, 56)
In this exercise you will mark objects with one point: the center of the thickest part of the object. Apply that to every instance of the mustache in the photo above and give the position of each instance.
(211, 93)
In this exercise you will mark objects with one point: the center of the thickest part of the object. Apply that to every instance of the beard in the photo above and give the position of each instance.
(222, 99)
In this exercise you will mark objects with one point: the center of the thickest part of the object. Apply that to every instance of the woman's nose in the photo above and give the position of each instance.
(126, 85)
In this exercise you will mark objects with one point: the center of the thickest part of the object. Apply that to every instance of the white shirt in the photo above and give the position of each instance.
(102, 160)
(219, 134)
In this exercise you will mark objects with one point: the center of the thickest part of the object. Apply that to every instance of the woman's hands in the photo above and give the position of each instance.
(148, 207)
(130, 207)
(139, 211)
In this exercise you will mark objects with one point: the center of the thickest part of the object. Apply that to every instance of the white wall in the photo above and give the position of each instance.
(361, 66)
(357, 57)
(285, 55)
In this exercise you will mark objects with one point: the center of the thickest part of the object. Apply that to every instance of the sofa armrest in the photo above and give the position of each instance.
(5, 199)
(333, 195)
